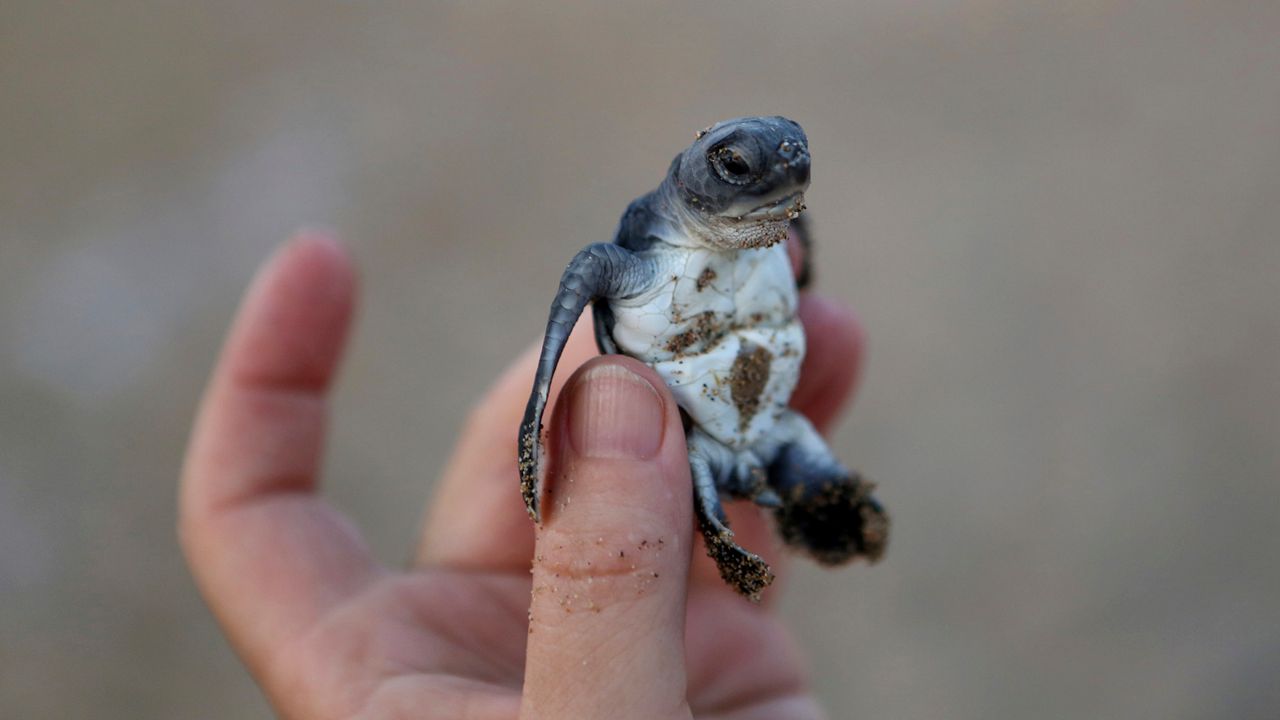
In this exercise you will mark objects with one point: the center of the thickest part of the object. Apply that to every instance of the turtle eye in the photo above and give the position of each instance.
(731, 165)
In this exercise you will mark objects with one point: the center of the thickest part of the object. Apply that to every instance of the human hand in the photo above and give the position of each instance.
(617, 619)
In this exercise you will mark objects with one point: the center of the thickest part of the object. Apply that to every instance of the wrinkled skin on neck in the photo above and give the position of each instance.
(721, 232)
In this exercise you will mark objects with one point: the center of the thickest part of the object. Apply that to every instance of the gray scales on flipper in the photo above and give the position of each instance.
(697, 284)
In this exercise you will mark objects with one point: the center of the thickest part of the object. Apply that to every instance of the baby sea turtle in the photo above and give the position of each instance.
(698, 285)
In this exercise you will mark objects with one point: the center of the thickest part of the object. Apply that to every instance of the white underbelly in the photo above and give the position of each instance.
(721, 330)
(736, 390)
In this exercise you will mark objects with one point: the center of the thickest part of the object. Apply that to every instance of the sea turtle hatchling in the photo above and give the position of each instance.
(698, 285)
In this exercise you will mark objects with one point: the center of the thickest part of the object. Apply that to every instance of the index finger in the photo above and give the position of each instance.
(269, 555)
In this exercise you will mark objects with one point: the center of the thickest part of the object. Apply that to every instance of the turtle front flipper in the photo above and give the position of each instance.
(600, 271)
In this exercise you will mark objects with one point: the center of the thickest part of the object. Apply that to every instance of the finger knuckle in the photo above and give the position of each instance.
(586, 572)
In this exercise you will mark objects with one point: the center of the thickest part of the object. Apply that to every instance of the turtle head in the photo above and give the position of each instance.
(742, 181)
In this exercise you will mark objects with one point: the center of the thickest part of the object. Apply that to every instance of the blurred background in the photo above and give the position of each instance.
(1060, 223)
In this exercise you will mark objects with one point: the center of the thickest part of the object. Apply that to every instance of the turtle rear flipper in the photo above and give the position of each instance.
(835, 521)
(826, 510)
(710, 465)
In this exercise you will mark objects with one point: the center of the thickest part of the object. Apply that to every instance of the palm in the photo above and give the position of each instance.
(328, 632)
(442, 640)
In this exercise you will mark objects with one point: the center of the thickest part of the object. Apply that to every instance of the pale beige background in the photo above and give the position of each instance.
(1059, 220)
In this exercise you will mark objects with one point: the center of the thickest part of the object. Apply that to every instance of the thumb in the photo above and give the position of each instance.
(611, 567)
